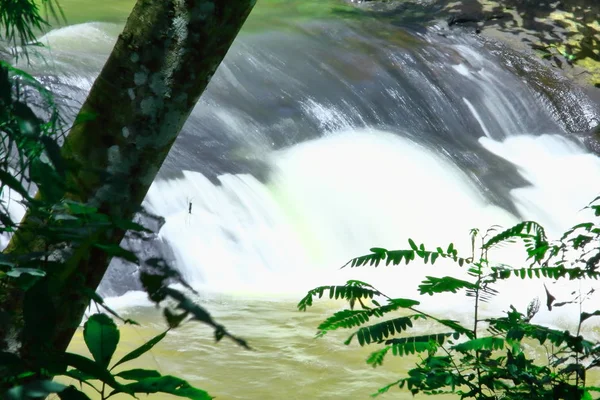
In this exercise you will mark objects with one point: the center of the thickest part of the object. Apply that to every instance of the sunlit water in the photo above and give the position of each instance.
(318, 138)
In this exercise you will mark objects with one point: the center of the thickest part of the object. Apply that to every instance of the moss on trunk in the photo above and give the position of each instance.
(159, 67)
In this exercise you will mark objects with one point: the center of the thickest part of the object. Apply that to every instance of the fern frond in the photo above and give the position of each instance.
(351, 318)
(409, 345)
(381, 331)
(555, 272)
(484, 343)
(386, 388)
(418, 344)
(376, 358)
(530, 232)
(351, 291)
(433, 285)
(456, 327)
(395, 257)
(516, 329)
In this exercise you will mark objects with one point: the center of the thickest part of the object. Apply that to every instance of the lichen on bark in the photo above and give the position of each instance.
(159, 67)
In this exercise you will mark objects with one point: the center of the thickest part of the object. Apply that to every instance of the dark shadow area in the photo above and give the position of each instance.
(567, 40)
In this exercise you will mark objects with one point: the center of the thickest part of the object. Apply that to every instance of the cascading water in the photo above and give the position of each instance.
(313, 144)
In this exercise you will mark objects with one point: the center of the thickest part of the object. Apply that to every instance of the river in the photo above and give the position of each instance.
(325, 133)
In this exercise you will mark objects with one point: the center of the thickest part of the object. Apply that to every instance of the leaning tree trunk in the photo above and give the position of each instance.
(159, 67)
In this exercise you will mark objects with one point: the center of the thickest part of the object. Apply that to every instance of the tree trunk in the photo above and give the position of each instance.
(159, 67)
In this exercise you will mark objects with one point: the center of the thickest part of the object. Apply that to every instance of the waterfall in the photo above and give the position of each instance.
(312, 145)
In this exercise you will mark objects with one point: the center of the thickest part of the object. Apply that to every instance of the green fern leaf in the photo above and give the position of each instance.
(352, 318)
(376, 358)
(433, 285)
(352, 291)
(417, 344)
(456, 327)
(525, 230)
(485, 343)
(380, 331)
(555, 272)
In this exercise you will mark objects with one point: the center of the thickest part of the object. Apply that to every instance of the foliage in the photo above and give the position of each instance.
(20, 21)
(31, 159)
(101, 337)
(490, 359)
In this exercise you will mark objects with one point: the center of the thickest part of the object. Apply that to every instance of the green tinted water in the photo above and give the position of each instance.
(267, 14)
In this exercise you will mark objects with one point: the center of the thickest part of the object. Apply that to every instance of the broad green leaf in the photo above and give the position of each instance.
(77, 374)
(101, 337)
(142, 349)
(91, 368)
(168, 384)
(138, 374)
(71, 393)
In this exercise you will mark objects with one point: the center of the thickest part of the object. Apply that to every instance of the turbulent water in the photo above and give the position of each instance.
(314, 143)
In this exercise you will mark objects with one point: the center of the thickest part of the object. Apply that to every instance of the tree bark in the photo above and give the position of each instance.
(159, 67)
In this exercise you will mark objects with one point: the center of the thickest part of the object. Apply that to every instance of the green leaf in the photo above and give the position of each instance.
(413, 245)
(380, 331)
(376, 358)
(167, 384)
(485, 343)
(174, 320)
(78, 375)
(71, 393)
(585, 315)
(352, 291)
(138, 374)
(10, 181)
(417, 344)
(34, 389)
(99, 300)
(351, 318)
(50, 184)
(17, 272)
(88, 367)
(404, 303)
(114, 250)
(434, 285)
(79, 208)
(142, 349)
(101, 337)
(200, 314)
(53, 152)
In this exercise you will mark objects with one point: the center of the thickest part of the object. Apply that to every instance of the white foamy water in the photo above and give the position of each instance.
(333, 198)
